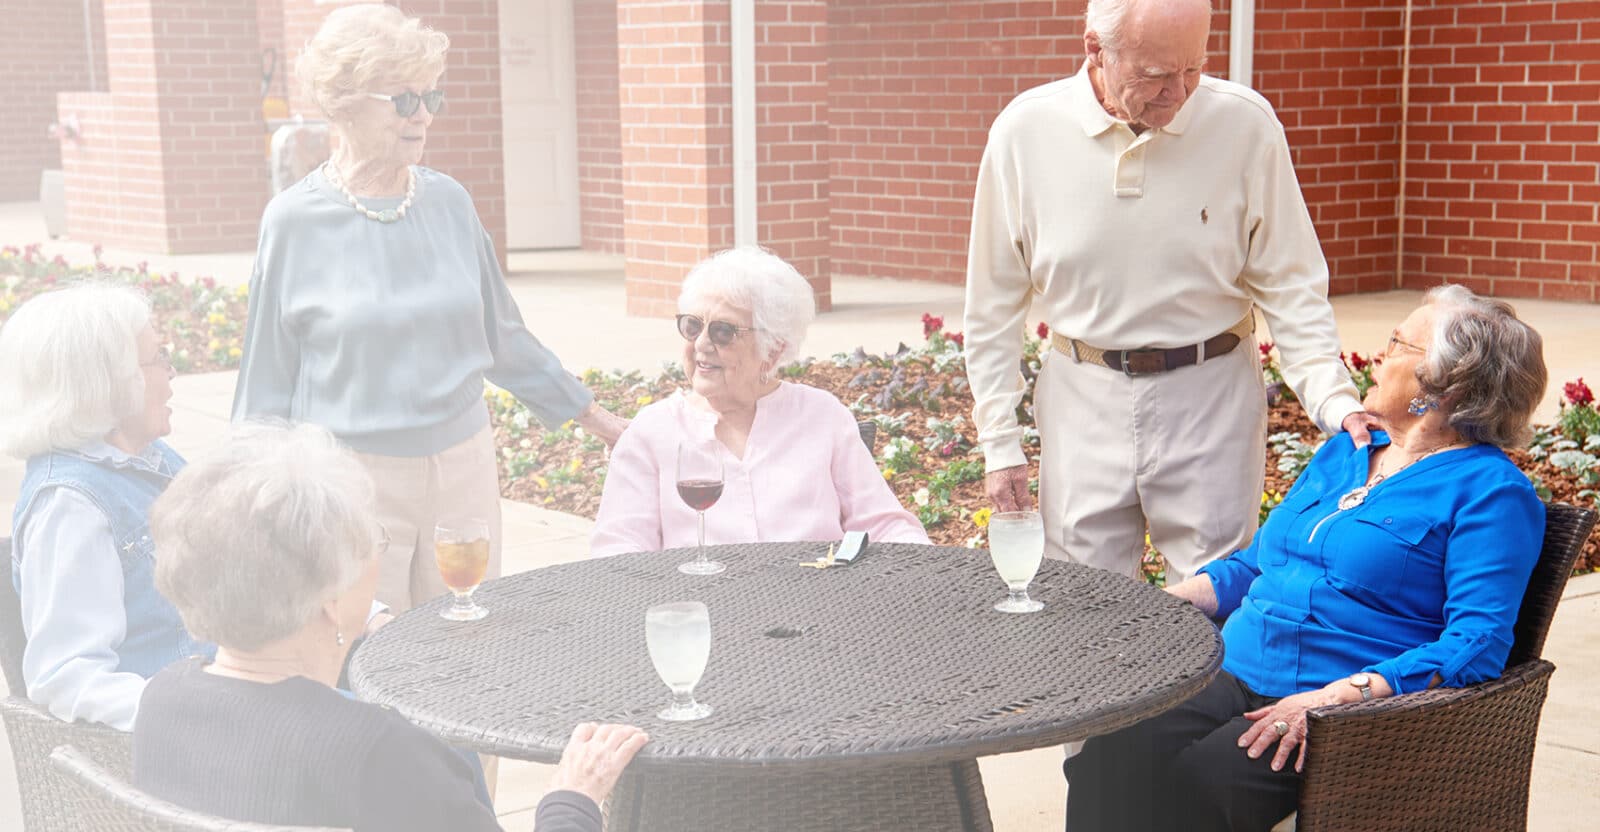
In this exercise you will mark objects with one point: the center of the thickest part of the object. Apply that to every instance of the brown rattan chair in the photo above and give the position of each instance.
(48, 804)
(110, 804)
(869, 432)
(1446, 759)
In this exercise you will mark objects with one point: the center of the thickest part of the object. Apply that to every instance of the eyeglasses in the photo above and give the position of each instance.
(163, 359)
(721, 333)
(405, 104)
(1394, 340)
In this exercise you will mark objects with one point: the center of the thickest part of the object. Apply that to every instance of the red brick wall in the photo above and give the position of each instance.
(913, 87)
(1332, 70)
(170, 159)
(676, 143)
(792, 173)
(269, 29)
(599, 127)
(45, 54)
(1501, 183)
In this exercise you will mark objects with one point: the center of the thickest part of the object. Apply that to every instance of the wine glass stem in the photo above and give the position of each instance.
(463, 601)
(682, 699)
(701, 557)
(1018, 594)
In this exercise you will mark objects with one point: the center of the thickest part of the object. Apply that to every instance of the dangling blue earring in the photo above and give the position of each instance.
(1421, 405)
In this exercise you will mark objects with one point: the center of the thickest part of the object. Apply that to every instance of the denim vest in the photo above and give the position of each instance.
(124, 490)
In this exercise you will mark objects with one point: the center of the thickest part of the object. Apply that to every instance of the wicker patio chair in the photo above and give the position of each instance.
(48, 802)
(1446, 759)
(869, 432)
(109, 803)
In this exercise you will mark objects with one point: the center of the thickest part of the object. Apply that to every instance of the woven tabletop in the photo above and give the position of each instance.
(898, 658)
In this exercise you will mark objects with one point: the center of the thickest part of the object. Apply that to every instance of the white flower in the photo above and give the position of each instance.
(920, 496)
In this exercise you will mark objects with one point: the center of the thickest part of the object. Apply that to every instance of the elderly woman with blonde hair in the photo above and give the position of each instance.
(794, 467)
(270, 549)
(86, 383)
(378, 307)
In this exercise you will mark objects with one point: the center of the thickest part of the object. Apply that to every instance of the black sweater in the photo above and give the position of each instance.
(298, 752)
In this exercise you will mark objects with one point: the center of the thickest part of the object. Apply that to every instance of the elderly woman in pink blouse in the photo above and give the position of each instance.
(794, 466)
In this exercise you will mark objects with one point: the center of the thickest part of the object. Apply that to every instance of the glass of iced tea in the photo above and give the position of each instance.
(461, 549)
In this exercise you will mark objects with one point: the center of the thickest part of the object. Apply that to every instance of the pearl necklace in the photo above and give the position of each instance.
(387, 215)
(1356, 496)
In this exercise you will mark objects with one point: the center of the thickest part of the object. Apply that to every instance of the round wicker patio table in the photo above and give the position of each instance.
(855, 697)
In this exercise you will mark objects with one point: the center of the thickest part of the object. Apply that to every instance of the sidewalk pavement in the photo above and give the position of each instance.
(573, 301)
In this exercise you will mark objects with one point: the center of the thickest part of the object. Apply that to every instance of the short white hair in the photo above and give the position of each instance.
(779, 300)
(255, 537)
(1105, 18)
(69, 368)
(361, 46)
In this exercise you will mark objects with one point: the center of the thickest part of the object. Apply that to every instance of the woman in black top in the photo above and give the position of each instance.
(268, 550)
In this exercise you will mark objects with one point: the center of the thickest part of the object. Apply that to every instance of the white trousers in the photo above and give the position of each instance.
(415, 493)
(1180, 453)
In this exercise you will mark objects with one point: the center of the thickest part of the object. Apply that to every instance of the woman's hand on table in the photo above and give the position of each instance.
(595, 757)
(602, 424)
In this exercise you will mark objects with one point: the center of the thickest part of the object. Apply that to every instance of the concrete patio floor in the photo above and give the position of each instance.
(573, 302)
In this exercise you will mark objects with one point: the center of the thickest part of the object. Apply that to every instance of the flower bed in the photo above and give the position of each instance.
(918, 397)
(201, 323)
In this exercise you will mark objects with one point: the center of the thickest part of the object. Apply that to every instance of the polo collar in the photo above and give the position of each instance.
(1094, 119)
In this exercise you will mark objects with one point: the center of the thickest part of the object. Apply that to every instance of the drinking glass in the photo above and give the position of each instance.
(461, 550)
(700, 486)
(679, 638)
(1016, 543)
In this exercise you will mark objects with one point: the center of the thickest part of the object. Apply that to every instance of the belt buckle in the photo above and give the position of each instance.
(1147, 361)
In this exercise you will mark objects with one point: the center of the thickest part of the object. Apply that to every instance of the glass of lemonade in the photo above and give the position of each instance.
(461, 550)
(1016, 543)
(679, 638)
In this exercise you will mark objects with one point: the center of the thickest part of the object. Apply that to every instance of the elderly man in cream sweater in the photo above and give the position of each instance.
(1147, 207)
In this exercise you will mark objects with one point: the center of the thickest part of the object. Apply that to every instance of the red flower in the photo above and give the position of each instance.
(97, 250)
(1357, 362)
(144, 267)
(208, 282)
(947, 449)
(1044, 330)
(1265, 347)
(931, 324)
(961, 340)
(59, 262)
(1578, 393)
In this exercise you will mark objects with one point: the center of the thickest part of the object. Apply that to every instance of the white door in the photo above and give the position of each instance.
(539, 109)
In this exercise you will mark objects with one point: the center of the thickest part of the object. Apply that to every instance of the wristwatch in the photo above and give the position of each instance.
(1363, 683)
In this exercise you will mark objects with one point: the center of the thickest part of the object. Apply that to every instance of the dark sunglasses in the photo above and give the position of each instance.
(721, 333)
(405, 104)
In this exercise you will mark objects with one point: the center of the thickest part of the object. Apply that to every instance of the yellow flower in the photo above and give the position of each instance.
(5, 305)
(541, 482)
(214, 345)
(567, 425)
(980, 518)
(216, 319)
(242, 291)
(574, 465)
(235, 352)
(888, 473)
(505, 398)
(644, 400)
(549, 500)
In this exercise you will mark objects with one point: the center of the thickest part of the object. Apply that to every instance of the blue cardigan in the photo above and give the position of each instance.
(1424, 577)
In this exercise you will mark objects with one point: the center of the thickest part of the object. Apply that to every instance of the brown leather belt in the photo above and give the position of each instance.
(1152, 360)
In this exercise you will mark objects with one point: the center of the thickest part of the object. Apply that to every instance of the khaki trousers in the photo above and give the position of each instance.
(414, 494)
(1180, 451)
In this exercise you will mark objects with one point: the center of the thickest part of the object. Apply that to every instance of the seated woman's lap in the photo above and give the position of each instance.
(1182, 769)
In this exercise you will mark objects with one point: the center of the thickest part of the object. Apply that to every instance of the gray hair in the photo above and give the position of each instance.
(1485, 364)
(361, 46)
(779, 300)
(253, 539)
(69, 367)
(1105, 18)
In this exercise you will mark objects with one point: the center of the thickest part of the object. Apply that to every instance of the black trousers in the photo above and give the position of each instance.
(1182, 770)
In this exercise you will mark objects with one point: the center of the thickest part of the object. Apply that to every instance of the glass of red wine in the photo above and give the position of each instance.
(700, 485)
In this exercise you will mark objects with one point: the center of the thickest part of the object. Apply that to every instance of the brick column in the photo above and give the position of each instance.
(45, 55)
(599, 125)
(677, 140)
(171, 158)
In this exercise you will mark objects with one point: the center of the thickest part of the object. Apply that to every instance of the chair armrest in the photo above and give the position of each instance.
(1445, 759)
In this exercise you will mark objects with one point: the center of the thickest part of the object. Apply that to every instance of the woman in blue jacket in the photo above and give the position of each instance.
(1388, 569)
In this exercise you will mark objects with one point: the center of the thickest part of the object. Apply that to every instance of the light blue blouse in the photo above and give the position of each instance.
(1424, 577)
(384, 333)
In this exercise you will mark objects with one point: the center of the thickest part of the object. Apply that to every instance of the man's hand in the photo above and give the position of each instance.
(1359, 425)
(1008, 488)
